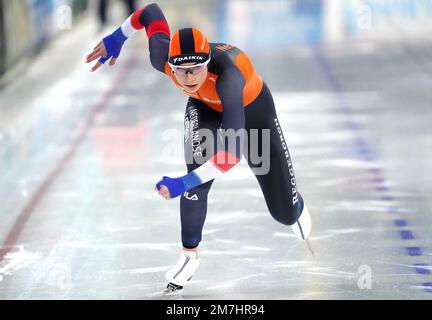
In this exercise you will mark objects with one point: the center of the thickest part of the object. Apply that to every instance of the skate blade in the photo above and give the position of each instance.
(169, 294)
(310, 248)
(172, 290)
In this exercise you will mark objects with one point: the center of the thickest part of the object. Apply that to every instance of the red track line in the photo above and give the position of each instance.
(16, 230)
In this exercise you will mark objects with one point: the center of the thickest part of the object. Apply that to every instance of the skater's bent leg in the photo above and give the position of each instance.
(278, 183)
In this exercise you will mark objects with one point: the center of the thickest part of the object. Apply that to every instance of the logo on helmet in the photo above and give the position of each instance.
(181, 59)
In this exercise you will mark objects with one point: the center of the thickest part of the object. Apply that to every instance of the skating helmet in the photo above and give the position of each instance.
(189, 45)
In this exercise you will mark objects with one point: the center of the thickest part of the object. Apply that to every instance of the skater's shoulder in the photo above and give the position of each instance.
(223, 56)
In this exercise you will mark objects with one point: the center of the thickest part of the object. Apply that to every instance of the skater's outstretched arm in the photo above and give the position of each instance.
(230, 90)
(149, 17)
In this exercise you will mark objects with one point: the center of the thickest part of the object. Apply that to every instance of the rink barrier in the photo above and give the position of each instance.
(269, 24)
(372, 19)
(2, 42)
(29, 25)
(302, 22)
(49, 18)
(15, 32)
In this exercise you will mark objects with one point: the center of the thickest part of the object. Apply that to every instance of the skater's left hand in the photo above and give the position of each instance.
(170, 188)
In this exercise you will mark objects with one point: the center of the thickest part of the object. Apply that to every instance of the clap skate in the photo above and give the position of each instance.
(182, 272)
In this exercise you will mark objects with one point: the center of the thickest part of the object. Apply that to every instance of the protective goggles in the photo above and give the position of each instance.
(193, 69)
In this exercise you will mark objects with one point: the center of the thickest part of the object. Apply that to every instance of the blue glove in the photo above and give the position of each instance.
(113, 44)
(178, 186)
(175, 186)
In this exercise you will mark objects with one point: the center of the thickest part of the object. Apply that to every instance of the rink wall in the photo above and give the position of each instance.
(2, 43)
(26, 26)
(385, 19)
(267, 24)
(13, 32)
(284, 23)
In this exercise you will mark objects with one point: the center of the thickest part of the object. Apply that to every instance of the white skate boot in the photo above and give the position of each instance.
(302, 228)
(182, 272)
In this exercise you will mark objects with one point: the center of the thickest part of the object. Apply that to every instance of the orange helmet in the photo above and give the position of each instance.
(189, 45)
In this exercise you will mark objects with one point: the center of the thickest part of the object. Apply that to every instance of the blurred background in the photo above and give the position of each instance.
(80, 152)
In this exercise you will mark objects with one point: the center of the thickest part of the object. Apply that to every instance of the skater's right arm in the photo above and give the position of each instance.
(153, 20)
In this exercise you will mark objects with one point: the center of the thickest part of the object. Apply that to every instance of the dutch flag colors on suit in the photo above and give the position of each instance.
(215, 167)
